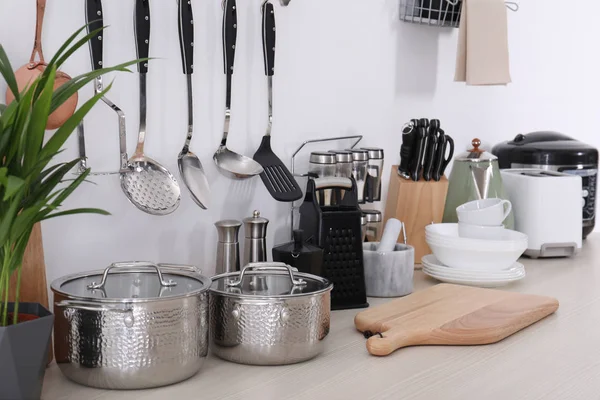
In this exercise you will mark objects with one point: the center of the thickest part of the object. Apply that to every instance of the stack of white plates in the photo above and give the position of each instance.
(495, 278)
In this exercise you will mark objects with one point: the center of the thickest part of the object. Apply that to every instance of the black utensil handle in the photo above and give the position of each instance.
(429, 157)
(229, 34)
(447, 159)
(142, 33)
(417, 155)
(94, 19)
(186, 35)
(268, 29)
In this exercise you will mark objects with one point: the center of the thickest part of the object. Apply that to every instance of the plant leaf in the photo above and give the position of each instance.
(6, 70)
(13, 185)
(77, 211)
(39, 119)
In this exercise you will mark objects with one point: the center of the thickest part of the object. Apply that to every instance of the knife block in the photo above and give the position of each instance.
(417, 204)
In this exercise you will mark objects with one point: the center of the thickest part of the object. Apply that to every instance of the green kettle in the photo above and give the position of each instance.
(475, 175)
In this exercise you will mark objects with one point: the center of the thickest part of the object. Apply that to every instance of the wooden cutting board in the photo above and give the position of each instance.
(450, 315)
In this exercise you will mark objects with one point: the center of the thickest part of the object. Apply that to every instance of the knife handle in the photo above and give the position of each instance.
(94, 19)
(415, 170)
(406, 152)
(142, 33)
(268, 30)
(229, 34)
(447, 159)
(186, 35)
(429, 157)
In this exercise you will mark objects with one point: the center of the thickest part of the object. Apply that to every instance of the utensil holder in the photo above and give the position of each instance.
(389, 274)
(417, 204)
(442, 13)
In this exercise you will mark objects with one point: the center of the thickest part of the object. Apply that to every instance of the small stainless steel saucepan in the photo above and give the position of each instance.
(268, 314)
(131, 326)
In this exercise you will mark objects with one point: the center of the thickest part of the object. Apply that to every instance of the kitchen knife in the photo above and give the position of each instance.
(446, 160)
(408, 135)
(430, 149)
(418, 149)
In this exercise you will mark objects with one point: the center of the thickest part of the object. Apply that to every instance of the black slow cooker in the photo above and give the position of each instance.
(557, 152)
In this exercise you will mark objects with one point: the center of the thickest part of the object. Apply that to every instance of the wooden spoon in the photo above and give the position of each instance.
(30, 72)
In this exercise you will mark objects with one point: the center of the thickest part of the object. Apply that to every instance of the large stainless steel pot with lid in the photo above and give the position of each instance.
(268, 314)
(131, 326)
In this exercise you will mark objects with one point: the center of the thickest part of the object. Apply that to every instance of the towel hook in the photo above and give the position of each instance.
(511, 5)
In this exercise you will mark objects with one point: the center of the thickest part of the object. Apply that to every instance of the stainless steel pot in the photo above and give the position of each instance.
(268, 314)
(142, 326)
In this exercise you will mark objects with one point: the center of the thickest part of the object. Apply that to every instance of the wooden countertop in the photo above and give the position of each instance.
(557, 358)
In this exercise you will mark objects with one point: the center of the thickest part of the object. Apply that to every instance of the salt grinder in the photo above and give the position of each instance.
(228, 248)
(255, 241)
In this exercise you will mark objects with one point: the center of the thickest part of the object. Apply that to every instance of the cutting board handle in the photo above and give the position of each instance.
(383, 344)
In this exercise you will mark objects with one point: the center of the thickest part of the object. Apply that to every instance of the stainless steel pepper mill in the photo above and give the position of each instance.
(228, 248)
(255, 242)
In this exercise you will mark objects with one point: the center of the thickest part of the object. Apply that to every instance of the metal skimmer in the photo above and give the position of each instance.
(148, 185)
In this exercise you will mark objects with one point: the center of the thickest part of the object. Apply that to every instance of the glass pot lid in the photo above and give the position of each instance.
(134, 281)
(270, 280)
(475, 154)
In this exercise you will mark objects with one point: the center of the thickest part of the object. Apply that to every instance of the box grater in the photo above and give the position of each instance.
(337, 230)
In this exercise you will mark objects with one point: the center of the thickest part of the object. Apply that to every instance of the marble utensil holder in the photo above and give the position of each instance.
(388, 274)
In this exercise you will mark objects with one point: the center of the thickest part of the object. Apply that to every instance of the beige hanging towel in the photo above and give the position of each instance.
(482, 56)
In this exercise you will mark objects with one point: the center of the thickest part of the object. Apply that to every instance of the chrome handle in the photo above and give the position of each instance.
(139, 264)
(267, 266)
(90, 306)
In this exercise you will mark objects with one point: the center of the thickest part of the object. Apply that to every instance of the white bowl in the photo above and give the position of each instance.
(448, 234)
(468, 244)
(474, 254)
(476, 259)
(480, 231)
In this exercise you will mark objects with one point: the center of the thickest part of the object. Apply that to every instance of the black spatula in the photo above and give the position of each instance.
(277, 178)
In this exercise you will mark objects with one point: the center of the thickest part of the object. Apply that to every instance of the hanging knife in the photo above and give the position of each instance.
(408, 135)
(430, 149)
(441, 160)
(419, 149)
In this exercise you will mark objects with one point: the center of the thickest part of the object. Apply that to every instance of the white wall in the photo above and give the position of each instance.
(343, 66)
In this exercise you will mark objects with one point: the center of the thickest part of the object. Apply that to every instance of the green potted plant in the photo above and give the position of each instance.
(32, 189)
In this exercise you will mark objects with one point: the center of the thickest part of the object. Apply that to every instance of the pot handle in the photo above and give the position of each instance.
(129, 265)
(268, 266)
(91, 306)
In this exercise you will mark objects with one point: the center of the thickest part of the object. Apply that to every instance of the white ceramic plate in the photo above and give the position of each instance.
(471, 281)
(516, 276)
(435, 266)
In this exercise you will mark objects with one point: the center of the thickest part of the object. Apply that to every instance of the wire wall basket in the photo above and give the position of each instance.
(443, 13)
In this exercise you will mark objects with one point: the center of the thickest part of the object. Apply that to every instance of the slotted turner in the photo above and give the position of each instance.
(277, 178)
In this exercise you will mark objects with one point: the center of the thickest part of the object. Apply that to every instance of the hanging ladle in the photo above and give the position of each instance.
(230, 164)
(190, 168)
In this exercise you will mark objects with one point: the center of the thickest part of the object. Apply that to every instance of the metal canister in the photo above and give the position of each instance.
(360, 160)
(228, 248)
(374, 219)
(322, 164)
(374, 172)
(255, 241)
(343, 166)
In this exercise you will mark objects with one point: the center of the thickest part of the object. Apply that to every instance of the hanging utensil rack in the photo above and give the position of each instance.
(441, 13)
(356, 138)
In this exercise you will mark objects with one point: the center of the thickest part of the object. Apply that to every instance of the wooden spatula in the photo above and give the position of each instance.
(450, 315)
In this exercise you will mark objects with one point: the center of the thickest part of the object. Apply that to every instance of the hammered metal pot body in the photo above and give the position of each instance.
(156, 343)
(269, 331)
